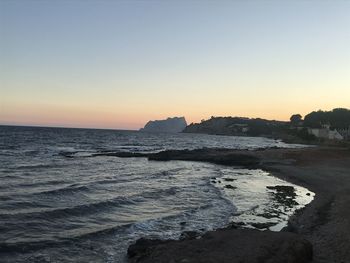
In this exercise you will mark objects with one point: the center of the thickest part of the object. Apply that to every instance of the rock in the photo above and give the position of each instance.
(143, 247)
(229, 179)
(282, 188)
(228, 186)
(236, 225)
(171, 125)
(189, 235)
(225, 245)
(218, 156)
(262, 225)
(120, 154)
(284, 194)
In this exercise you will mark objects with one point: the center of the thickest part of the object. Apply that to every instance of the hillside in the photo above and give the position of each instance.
(239, 126)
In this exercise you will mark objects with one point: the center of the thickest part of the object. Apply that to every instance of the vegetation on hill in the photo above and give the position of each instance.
(338, 118)
(237, 126)
(295, 130)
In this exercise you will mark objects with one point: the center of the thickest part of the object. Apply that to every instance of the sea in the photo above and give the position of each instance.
(61, 203)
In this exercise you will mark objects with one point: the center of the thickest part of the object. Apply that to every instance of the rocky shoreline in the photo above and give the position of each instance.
(225, 245)
(317, 233)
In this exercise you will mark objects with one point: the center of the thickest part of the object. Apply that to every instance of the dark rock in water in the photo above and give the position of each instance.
(284, 194)
(189, 235)
(223, 156)
(176, 124)
(120, 154)
(228, 186)
(67, 154)
(270, 214)
(105, 153)
(282, 188)
(236, 225)
(229, 179)
(226, 245)
(262, 225)
(143, 247)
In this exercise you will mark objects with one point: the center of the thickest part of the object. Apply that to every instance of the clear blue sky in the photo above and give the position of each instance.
(116, 64)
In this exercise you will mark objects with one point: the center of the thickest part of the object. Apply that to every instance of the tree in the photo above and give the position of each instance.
(338, 118)
(296, 119)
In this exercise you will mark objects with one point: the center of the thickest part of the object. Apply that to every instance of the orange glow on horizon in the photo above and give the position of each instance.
(80, 118)
(63, 68)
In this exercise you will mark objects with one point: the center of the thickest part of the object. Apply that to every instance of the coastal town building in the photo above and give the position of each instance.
(345, 133)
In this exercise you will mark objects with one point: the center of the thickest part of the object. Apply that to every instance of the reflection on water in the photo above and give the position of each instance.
(262, 201)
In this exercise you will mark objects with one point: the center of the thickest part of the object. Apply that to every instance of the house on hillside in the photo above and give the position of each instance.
(326, 133)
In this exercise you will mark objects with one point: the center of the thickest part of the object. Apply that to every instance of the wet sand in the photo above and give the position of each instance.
(322, 227)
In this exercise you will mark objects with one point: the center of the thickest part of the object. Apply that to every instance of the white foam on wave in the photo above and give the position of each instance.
(258, 205)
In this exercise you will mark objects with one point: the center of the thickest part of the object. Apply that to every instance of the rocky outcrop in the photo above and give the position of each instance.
(227, 245)
(218, 156)
(172, 125)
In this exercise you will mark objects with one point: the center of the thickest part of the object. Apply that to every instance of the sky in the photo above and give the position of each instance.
(118, 64)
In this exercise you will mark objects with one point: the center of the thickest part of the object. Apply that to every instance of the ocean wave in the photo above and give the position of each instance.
(22, 247)
(76, 153)
(42, 183)
(5, 198)
(64, 190)
(12, 208)
(31, 244)
(37, 166)
(90, 208)
(79, 210)
(31, 152)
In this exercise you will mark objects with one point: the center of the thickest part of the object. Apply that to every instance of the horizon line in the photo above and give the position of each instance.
(63, 127)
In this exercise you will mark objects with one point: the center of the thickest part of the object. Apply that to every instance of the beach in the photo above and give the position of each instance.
(317, 233)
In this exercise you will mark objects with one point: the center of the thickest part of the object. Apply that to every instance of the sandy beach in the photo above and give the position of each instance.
(318, 233)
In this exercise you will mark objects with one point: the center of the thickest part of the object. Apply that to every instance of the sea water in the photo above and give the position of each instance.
(90, 209)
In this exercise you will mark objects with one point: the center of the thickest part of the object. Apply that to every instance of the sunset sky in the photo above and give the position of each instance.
(118, 64)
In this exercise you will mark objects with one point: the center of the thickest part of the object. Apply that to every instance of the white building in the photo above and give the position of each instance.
(326, 133)
(345, 133)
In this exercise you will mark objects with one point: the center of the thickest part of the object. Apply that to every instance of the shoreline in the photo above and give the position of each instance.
(324, 223)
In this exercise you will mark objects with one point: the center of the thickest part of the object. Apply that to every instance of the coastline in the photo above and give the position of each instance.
(324, 223)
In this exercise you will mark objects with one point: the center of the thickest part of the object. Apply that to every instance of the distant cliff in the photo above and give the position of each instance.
(176, 124)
